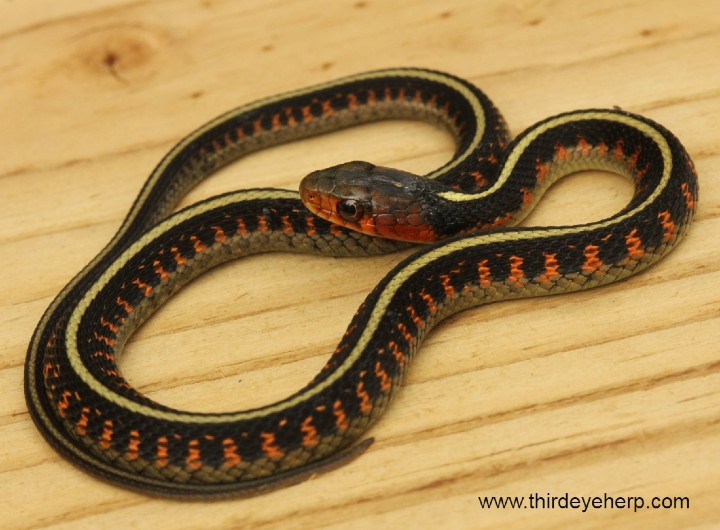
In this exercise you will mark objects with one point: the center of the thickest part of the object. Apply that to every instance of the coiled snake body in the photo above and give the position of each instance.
(84, 407)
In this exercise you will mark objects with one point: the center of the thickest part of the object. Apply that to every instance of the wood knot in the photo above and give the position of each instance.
(125, 54)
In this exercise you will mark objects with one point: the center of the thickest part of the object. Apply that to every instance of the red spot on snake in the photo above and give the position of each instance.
(107, 434)
(689, 199)
(341, 419)
(193, 459)
(516, 271)
(583, 146)
(161, 452)
(198, 245)
(385, 382)
(551, 268)
(269, 447)
(484, 273)
(219, 234)
(177, 256)
(592, 261)
(669, 227)
(364, 397)
(634, 245)
(125, 305)
(133, 446)
(230, 454)
(144, 287)
(82, 422)
(310, 435)
(561, 152)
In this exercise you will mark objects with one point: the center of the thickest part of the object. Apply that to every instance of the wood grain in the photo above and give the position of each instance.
(609, 392)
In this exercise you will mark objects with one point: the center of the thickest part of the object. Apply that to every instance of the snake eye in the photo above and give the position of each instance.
(349, 209)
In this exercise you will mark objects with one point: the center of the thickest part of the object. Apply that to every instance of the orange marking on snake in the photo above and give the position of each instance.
(551, 268)
(125, 305)
(193, 460)
(352, 101)
(105, 340)
(286, 225)
(257, 126)
(592, 261)
(527, 196)
(49, 368)
(618, 150)
(385, 382)
(484, 273)
(276, 125)
(217, 146)
(516, 271)
(105, 355)
(240, 133)
(144, 287)
(541, 169)
(405, 333)
(561, 152)
(290, 116)
(689, 200)
(310, 435)
(111, 372)
(310, 222)
(107, 434)
(242, 229)
(632, 159)
(602, 149)
(371, 97)
(583, 146)
(429, 301)
(306, 114)
(269, 447)
(634, 245)
(133, 446)
(219, 234)
(395, 351)
(177, 256)
(669, 227)
(327, 108)
(112, 327)
(82, 422)
(161, 452)
(501, 220)
(479, 178)
(198, 245)
(262, 224)
(230, 454)
(341, 419)
(447, 286)
(364, 397)
(415, 318)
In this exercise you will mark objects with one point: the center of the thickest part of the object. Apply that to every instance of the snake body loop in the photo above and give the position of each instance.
(85, 408)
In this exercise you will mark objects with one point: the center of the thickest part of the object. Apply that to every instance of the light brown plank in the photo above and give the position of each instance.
(613, 391)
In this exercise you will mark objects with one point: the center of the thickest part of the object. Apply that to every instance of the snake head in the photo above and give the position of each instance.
(374, 200)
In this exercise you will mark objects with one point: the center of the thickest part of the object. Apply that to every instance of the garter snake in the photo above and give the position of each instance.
(89, 413)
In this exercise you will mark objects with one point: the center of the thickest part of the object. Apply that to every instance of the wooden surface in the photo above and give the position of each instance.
(607, 392)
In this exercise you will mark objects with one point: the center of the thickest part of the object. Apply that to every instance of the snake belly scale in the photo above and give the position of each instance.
(89, 413)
